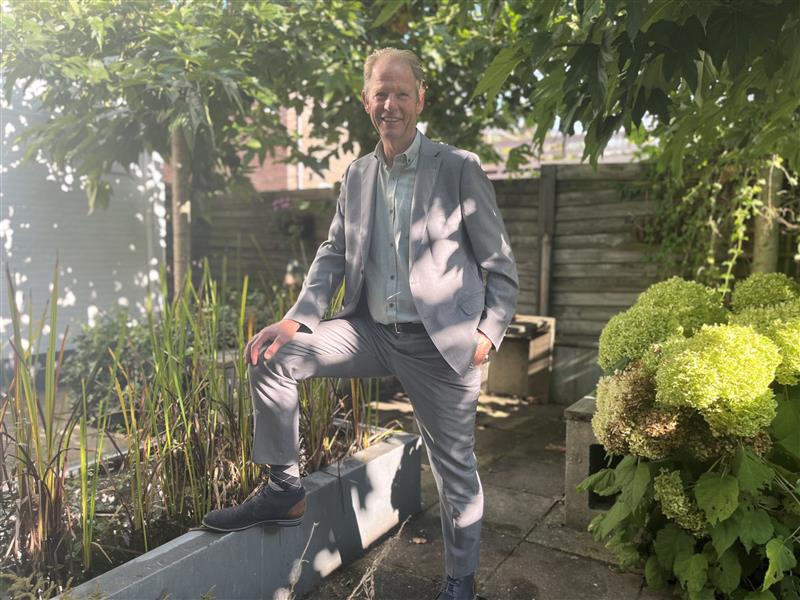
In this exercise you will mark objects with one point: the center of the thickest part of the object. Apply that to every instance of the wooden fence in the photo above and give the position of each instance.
(576, 233)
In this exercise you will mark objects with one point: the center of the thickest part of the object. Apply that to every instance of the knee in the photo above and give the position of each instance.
(276, 367)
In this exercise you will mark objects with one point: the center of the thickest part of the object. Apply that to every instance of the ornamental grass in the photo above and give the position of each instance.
(186, 417)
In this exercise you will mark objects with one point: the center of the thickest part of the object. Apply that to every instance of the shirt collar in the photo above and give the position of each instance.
(408, 157)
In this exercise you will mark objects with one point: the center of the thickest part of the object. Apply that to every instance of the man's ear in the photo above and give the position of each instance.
(421, 99)
(364, 100)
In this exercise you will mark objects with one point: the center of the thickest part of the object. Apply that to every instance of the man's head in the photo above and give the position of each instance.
(393, 95)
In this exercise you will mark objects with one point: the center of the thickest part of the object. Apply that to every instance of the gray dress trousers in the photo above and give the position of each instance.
(444, 404)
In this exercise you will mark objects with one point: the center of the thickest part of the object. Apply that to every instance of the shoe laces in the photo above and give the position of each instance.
(452, 585)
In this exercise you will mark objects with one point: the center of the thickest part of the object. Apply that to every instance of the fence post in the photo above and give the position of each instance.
(547, 222)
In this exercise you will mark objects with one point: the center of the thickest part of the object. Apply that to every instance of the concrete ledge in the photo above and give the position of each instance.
(581, 443)
(354, 502)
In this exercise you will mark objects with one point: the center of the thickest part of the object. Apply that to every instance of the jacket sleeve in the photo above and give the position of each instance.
(326, 272)
(492, 249)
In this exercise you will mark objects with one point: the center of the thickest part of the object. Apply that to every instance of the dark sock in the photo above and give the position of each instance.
(284, 478)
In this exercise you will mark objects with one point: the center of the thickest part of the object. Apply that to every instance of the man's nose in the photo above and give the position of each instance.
(389, 103)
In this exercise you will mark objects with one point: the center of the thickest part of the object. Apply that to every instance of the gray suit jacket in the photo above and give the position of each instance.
(456, 230)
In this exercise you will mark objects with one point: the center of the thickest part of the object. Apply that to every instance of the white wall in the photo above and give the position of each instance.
(110, 257)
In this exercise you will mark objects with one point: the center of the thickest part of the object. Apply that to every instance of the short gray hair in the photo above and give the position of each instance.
(407, 55)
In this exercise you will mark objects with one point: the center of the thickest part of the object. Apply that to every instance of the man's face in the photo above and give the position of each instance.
(393, 102)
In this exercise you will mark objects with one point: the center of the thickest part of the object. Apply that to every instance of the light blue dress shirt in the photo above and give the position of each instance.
(388, 292)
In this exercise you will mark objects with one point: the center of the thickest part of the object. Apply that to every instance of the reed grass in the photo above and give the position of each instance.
(189, 426)
(42, 530)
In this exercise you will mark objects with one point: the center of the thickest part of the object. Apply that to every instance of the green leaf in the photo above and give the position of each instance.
(781, 559)
(760, 596)
(751, 471)
(755, 526)
(656, 576)
(634, 490)
(692, 571)
(635, 18)
(597, 481)
(786, 425)
(724, 534)
(672, 541)
(727, 572)
(706, 593)
(98, 193)
(625, 471)
(790, 588)
(498, 72)
(717, 495)
(387, 12)
(612, 518)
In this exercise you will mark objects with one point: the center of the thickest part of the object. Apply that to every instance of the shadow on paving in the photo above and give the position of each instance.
(526, 551)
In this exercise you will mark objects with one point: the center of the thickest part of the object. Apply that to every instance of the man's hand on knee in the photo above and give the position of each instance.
(273, 336)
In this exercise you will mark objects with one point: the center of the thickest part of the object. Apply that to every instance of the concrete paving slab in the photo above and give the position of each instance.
(389, 584)
(501, 408)
(553, 533)
(523, 418)
(526, 552)
(653, 594)
(492, 443)
(420, 549)
(513, 512)
(534, 572)
(540, 473)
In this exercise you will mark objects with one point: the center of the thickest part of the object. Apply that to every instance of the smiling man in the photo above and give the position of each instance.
(430, 287)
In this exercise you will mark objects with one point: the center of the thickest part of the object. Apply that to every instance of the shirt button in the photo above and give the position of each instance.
(391, 276)
(391, 244)
(391, 304)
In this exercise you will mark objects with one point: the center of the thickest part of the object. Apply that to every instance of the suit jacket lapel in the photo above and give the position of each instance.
(369, 182)
(429, 161)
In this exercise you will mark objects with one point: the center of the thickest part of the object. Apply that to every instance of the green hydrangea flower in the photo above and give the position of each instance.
(627, 421)
(677, 505)
(764, 289)
(674, 307)
(724, 372)
(781, 324)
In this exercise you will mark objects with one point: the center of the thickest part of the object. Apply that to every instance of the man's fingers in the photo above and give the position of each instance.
(255, 346)
(252, 353)
(273, 348)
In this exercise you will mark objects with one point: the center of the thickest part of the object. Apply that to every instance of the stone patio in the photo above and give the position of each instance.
(526, 553)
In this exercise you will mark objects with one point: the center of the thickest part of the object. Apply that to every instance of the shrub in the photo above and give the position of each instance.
(781, 324)
(674, 307)
(707, 417)
(763, 289)
(724, 372)
(91, 360)
(627, 421)
(676, 504)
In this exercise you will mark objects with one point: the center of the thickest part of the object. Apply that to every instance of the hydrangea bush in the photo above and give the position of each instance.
(702, 402)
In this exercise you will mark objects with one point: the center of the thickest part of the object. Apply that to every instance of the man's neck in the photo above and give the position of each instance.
(389, 152)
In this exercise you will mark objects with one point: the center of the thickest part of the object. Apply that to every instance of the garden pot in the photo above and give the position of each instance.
(353, 503)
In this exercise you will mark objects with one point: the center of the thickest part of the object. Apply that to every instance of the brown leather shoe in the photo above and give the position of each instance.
(265, 507)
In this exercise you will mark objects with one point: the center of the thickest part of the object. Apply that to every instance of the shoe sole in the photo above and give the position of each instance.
(274, 522)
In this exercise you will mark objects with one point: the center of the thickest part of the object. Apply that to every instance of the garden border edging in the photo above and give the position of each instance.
(355, 502)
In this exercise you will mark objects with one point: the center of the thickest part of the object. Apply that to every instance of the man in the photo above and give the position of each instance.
(416, 222)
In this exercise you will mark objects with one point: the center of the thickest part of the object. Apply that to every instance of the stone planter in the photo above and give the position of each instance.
(354, 502)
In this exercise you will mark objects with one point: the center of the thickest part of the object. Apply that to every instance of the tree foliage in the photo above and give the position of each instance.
(205, 84)
(119, 77)
(694, 72)
(711, 89)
